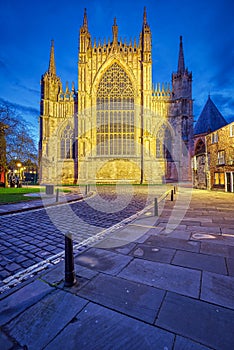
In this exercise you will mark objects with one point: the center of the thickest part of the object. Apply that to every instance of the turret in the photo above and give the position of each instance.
(50, 83)
(115, 33)
(146, 39)
(85, 38)
(145, 46)
(52, 68)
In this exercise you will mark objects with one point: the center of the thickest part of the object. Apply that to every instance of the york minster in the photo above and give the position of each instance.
(118, 125)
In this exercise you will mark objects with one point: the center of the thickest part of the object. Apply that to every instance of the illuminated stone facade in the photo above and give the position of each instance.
(220, 158)
(116, 127)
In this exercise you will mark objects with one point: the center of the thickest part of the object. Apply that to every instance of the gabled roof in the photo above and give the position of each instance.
(210, 119)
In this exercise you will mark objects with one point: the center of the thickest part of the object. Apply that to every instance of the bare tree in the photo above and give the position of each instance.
(20, 146)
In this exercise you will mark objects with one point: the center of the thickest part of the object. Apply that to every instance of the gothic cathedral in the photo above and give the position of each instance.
(116, 127)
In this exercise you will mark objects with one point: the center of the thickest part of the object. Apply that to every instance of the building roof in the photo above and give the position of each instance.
(210, 119)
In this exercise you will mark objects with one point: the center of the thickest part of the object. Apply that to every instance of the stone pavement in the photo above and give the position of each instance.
(156, 283)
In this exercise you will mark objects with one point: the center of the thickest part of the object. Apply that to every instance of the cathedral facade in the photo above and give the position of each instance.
(116, 127)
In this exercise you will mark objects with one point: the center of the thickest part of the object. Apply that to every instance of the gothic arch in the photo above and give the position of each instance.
(65, 135)
(103, 70)
(200, 147)
(164, 140)
(115, 113)
(163, 123)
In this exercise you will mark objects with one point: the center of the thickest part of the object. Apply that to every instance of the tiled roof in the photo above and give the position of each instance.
(210, 119)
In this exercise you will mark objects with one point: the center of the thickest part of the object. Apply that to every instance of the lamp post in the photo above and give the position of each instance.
(19, 168)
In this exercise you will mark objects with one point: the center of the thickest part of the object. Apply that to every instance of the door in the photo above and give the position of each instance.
(228, 182)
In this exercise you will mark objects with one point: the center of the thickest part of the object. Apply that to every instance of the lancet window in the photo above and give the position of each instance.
(164, 143)
(67, 143)
(115, 114)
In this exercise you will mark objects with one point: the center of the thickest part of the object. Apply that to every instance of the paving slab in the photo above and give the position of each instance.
(177, 233)
(45, 319)
(217, 239)
(153, 253)
(14, 304)
(182, 343)
(131, 298)
(218, 289)
(103, 260)
(5, 342)
(174, 278)
(173, 243)
(227, 230)
(146, 220)
(208, 324)
(200, 261)
(230, 266)
(57, 275)
(212, 230)
(115, 244)
(96, 327)
(217, 249)
(130, 233)
(125, 249)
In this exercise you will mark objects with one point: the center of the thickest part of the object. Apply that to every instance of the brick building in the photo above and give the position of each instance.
(220, 158)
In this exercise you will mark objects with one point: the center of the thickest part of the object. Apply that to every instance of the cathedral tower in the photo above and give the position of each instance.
(58, 135)
(181, 118)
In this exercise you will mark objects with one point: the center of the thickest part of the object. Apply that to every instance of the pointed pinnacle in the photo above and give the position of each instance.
(52, 68)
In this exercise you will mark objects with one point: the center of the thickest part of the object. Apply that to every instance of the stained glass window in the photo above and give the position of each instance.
(115, 113)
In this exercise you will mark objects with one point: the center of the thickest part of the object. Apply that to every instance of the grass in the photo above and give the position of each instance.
(14, 195)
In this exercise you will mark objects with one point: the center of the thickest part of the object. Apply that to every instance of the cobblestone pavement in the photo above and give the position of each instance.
(35, 236)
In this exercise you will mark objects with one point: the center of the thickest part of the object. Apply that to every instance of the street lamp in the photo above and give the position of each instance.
(19, 167)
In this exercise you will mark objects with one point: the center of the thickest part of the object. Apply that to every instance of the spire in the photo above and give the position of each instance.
(52, 68)
(144, 17)
(181, 66)
(85, 20)
(115, 32)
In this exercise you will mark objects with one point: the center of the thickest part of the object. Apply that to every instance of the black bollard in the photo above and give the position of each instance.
(57, 195)
(155, 207)
(70, 276)
(174, 190)
(86, 190)
(172, 195)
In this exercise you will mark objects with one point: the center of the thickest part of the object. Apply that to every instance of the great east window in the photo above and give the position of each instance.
(115, 114)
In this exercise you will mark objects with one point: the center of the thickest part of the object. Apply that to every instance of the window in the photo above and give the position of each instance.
(115, 114)
(219, 179)
(221, 159)
(232, 130)
(214, 137)
(184, 128)
(164, 143)
(66, 143)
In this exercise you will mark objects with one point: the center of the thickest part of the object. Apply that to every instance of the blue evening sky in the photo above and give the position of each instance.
(27, 28)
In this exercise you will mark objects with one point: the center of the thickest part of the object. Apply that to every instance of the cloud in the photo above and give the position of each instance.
(34, 91)
(225, 103)
(22, 108)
